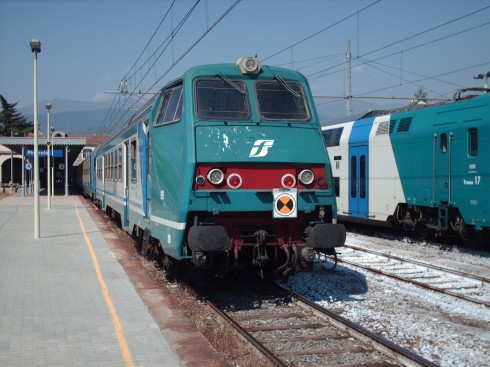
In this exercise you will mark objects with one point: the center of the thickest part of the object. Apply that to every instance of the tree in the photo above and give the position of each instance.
(419, 96)
(12, 123)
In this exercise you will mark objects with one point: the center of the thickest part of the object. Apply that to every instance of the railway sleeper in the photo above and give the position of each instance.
(352, 349)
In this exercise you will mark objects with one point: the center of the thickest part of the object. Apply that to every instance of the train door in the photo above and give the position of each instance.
(143, 136)
(358, 181)
(443, 150)
(442, 190)
(148, 176)
(126, 163)
(93, 174)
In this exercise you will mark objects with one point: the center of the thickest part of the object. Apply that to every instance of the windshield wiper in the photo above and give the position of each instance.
(285, 85)
(229, 82)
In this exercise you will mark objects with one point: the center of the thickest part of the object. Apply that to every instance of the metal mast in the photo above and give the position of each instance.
(348, 86)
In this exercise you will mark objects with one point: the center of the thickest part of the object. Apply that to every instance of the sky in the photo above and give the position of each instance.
(89, 47)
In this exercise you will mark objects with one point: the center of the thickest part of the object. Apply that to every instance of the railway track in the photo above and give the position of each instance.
(469, 287)
(293, 331)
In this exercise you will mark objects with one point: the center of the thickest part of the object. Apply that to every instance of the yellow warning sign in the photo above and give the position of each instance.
(285, 203)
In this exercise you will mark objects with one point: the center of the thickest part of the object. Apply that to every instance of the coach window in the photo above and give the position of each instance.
(133, 161)
(353, 176)
(114, 164)
(282, 101)
(336, 183)
(473, 142)
(443, 143)
(106, 166)
(119, 164)
(222, 99)
(111, 165)
(331, 137)
(170, 109)
(99, 167)
(362, 181)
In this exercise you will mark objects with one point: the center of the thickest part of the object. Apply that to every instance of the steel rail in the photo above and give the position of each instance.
(421, 263)
(259, 346)
(396, 352)
(416, 282)
(378, 343)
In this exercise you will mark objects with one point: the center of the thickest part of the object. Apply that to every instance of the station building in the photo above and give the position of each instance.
(17, 158)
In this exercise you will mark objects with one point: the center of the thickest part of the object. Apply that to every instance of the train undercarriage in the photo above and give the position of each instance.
(273, 247)
(246, 249)
(426, 221)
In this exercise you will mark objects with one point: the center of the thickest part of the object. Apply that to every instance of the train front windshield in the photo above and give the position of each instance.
(222, 100)
(282, 102)
(226, 99)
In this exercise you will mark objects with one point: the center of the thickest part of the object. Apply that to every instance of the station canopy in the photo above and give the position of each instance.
(74, 145)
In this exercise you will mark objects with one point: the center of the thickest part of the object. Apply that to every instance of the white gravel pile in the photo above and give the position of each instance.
(440, 328)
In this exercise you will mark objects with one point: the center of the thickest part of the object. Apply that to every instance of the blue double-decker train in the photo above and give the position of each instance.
(225, 169)
(425, 168)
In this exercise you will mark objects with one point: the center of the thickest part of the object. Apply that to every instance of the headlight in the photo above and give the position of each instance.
(306, 177)
(249, 65)
(216, 176)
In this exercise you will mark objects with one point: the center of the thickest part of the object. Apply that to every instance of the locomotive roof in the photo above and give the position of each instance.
(231, 69)
(458, 97)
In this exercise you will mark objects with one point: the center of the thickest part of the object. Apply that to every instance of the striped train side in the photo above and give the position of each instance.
(424, 168)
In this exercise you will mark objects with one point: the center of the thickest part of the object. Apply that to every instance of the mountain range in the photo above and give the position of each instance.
(69, 116)
(78, 117)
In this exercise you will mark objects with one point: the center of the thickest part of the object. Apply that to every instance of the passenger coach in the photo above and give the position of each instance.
(225, 167)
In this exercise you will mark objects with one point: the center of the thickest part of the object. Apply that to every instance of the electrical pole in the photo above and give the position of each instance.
(348, 86)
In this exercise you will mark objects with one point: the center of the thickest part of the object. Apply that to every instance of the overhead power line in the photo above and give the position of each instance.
(116, 116)
(322, 30)
(316, 74)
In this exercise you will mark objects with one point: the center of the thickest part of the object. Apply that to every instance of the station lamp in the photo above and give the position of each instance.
(36, 48)
(48, 154)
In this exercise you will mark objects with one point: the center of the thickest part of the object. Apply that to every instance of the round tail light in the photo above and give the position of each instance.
(288, 181)
(306, 177)
(215, 176)
(234, 181)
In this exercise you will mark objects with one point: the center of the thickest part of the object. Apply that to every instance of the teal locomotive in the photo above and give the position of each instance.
(225, 169)
(424, 168)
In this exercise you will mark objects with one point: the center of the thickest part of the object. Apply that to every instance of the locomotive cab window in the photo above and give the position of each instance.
(332, 137)
(170, 109)
(282, 101)
(222, 99)
(472, 142)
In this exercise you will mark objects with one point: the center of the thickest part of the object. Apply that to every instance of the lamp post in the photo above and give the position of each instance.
(52, 167)
(9, 117)
(36, 48)
(483, 76)
(48, 133)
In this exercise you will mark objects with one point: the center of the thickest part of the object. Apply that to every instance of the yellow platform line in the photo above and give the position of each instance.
(123, 345)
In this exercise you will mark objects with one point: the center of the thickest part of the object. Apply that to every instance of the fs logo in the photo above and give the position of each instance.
(261, 148)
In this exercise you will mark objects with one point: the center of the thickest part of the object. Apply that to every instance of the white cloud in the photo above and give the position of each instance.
(102, 97)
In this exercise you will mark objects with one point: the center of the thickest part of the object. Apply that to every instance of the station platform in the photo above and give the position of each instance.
(77, 297)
